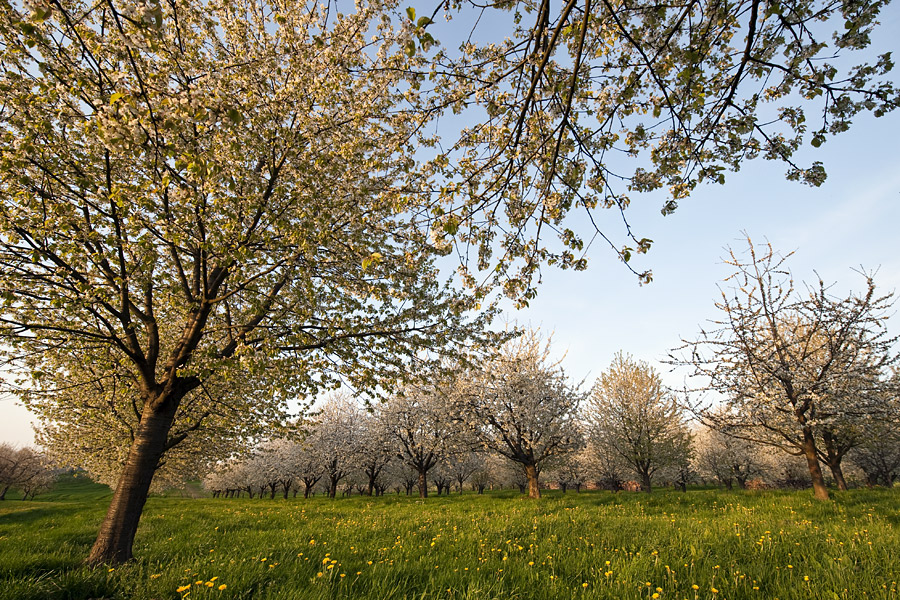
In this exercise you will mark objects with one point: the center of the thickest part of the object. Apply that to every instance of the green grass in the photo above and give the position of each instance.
(494, 546)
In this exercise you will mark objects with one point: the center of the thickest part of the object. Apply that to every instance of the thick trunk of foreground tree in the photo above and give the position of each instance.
(423, 485)
(114, 542)
(812, 461)
(534, 488)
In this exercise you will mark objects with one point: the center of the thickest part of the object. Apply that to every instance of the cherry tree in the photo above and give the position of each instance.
(523, 406)
(338, 437)
(204, 193)
(726, 458)
(633, 416)
(796, 370)
(421, 424)
(379, 450)
(582, 106)
(25, 469)
(879, 455)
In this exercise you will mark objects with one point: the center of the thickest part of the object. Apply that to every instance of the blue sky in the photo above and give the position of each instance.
(851, 221)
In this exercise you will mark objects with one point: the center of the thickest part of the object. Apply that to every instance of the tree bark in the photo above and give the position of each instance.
(114, 542)
(812, 461)
(834, 455)
(423, 485)
(534, 488)
(838, 473)
(646, 484)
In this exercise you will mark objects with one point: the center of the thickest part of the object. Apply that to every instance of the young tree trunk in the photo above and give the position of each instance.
(3, 493)
(534, 488)
(332, 488)
(812, 461)
(838, 473)
(423, 485)
(114, 542)
(833, 457)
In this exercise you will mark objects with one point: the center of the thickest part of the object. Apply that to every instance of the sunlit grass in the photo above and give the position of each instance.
(703, 544)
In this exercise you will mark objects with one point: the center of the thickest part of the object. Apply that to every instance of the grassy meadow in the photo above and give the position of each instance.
(702, 544)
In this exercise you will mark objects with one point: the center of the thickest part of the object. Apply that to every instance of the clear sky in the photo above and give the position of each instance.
(851, 221)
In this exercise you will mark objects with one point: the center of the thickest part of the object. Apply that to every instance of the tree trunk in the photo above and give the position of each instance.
(423, 485)
(646, 483)
(332, 489)
(114, 542)
(838, 473)
(812, 461)
(534, 488)
(833, 456)
(3, 493)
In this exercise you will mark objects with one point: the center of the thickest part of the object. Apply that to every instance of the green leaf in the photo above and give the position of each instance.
(410, 48)
(116, 97)
(234, 115)
(423, 21)
(411, 13)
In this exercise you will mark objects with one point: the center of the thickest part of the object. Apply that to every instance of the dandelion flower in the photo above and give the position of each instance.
(222, 587)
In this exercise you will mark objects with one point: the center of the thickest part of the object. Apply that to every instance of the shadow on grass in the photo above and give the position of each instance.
(30, 515)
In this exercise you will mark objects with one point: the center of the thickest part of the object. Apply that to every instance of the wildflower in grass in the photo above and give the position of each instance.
(695, 587)
(584, 585)
(183, 588)
(222, 587)
(655, 596)
(209, 584)
(714, 590)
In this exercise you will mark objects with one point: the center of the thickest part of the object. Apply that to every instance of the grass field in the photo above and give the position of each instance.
(702, 544)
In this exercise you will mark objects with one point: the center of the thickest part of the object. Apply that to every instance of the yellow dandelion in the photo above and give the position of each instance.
(714, 590)
(695, 587)
(222, 587)
(584, 585)
(183, 588)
